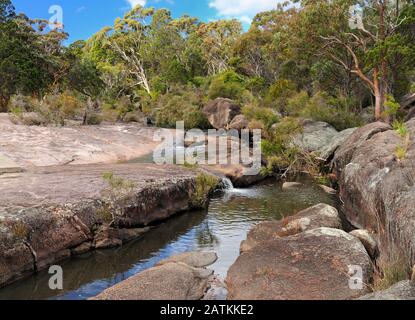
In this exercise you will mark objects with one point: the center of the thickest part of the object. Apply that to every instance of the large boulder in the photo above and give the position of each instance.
(320, 138)
(368, 241)
(377, 188)
(321, 215)
(220, 112)
(313, 265)
(172, 279)
(239, 123)
(404, 290)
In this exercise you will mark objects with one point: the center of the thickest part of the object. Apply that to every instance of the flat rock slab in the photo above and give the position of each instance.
(167, 281)
(8, 166)
(70, 184)
(32, 146)
(48, 213)
(313, 265)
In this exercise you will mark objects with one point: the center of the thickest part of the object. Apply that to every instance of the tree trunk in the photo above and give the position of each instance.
(4, 102)
(378, 95)
(88, 107)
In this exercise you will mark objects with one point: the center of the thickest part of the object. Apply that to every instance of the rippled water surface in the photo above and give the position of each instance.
(221, 229)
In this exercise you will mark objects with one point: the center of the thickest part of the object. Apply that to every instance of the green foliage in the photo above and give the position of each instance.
(292, 60)
(278, 149)
(204, 185)
(117, 184)
(391, 107)
(279, 93)
(401, 128)
(58, 107)
(227, 85)
(185, 107)
(400, 152)
(322, 107)
(265, 118)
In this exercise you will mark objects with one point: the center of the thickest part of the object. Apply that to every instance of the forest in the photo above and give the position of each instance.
(344, 62)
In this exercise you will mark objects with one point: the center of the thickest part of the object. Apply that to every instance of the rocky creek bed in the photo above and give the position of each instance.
(220, 229)
(48, 214)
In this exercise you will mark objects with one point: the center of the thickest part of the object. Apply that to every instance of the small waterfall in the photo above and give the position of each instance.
(226, 184)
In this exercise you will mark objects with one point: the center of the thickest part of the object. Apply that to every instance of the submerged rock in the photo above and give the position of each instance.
(321, 215)
(292, 185)
(193, 259)
(313, 265)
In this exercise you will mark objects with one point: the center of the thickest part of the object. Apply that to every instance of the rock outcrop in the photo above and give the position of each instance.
(30, 146)
(320, 138)
(378, 188)
(220, 112)
(404, 290)
(49, 214)
(313, 265)
(239, 123)
(181, 277)
(321, 215)
(368, 241)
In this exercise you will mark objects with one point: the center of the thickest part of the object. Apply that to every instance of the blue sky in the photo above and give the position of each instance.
(82, 18)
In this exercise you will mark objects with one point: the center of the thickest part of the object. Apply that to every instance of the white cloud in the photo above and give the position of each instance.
(133, 3)
(242, 8)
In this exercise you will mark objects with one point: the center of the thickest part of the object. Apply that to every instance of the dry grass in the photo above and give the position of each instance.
(392, 267)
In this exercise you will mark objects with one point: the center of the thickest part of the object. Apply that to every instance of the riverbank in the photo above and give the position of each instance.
(52, 213)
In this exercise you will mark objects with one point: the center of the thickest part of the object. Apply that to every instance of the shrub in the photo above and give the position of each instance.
(393, 267)
(391, 107)
(58, 107)
(400, 152)
(204, 185)
(117, 184)
(94, 119)
(265, 116)
(256, 86)
(227, 85)
(279, 93)
(19, 103)
(401, 128)
(185, 108)
(322, 107)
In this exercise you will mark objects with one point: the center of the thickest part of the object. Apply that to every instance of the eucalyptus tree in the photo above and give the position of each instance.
(30, 56)
(217, 41)
(363, 37)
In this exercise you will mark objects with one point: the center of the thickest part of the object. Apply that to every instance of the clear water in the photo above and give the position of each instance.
(221, 228)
